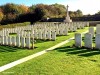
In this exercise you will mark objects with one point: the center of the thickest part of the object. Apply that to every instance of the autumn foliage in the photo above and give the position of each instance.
(12, 13)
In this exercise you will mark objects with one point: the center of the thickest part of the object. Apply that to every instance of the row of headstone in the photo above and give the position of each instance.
(50, 25)
(24, 42)
(62, 25)
(88, 41)
(59, 28)
(44, 31)
(42, 35)
(61, 31)
(45, 35)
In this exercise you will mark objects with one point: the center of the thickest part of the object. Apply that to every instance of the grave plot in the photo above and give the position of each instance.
(40, 45)
(39, 32)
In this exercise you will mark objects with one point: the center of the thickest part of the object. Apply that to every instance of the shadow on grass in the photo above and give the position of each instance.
(9, 49)
(13, 49)
(79, 51)
(42, 41)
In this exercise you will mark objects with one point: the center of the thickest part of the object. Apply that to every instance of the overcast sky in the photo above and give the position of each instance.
(86, 6)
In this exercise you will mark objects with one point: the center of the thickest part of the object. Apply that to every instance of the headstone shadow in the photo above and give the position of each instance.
(78, 51)
(9, 49)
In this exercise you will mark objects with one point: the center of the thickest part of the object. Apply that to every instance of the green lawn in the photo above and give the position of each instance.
(10, 54)
(64, 60)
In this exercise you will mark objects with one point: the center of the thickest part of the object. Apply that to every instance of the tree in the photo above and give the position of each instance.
(39, 12)
(23, 9)
(10, 8)
(60, 10)
(1, 16)
(79, 13)
(71, 14)
(32, 8)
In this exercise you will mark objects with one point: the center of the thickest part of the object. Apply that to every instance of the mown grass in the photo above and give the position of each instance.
(10, 54)
(65, 60)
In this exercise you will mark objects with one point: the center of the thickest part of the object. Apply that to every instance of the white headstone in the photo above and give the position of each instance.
(32, 33)
(87, 24)
(9, 41)
(13, 41)
(40, 35)
(2, 40)
(23, 41)
(61, 32)
(98, 25)
(33, 42)
(28, 42)
(28, 34)
(53, 36)
(98, 29)
(91, 30)
(71, 28)
(35, 35)
(88, 40)
(78, 40)
(57, 31)
(5, 40)
(18, 41)
(97, 41)
(82, 26)
(22, 33)
(65, 31)
(49, 35)
(44, 35)
(74, 28)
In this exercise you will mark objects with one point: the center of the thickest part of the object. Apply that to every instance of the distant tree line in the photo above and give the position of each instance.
(13, 13)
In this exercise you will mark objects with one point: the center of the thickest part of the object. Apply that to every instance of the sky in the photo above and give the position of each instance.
(86, 6)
